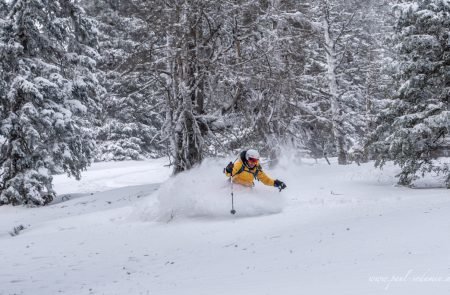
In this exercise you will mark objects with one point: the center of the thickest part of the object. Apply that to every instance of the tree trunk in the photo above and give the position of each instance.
(188, 138)
(333, 88)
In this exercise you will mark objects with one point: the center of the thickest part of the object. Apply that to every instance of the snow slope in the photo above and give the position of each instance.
(126, 228)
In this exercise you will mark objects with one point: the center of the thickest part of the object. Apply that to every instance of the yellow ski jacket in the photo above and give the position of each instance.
(247, 175)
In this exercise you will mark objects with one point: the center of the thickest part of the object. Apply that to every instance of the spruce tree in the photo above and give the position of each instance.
(48, 92)
(128, 128)
(413, 124)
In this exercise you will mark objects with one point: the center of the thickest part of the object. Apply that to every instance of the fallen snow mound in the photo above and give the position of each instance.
(205, 192)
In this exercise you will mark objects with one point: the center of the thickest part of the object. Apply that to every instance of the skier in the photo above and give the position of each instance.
(247, 167)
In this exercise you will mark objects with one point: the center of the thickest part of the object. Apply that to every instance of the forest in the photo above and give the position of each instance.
(83, 81)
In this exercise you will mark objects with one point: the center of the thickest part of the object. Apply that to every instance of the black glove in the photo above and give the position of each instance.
(279, 184)
(229, 168)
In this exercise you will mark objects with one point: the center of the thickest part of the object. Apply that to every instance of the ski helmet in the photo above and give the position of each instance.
(253, 154)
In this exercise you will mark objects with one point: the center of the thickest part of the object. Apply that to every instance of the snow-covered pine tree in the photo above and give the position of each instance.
(278, 59)
(251, 74)
(332, 84)
(412, 126)
(364, 79)
(129, 126)
(47, 95)
(259, 72)
(379, 82)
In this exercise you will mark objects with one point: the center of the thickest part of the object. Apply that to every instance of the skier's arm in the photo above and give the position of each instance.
(236, 167)
(264, 178)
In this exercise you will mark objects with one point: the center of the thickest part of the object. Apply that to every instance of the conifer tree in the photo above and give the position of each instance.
(413, 125)
(128, 128)
(47, 95)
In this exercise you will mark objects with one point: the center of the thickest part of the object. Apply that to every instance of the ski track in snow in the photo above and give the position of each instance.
(126, 228)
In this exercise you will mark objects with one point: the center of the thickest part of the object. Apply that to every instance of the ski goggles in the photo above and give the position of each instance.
(253, 160)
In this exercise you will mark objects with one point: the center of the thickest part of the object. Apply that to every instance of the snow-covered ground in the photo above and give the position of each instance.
(126, 228)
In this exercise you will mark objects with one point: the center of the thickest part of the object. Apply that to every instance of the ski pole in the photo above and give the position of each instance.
(232, 195)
